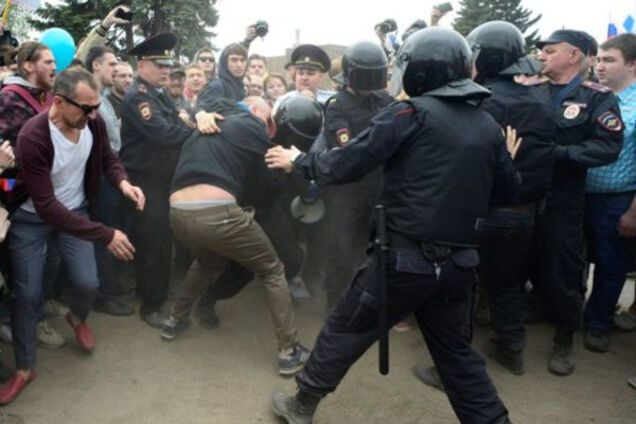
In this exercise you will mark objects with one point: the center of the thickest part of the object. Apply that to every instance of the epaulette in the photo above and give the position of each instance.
(595, 86)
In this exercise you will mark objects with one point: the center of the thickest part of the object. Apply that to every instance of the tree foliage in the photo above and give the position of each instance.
(19, 23)
(473, 13)
(191, 20)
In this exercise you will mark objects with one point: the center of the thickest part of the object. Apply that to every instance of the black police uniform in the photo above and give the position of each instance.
(349, 206)
(152, 136)
(507, 232)
(589, 133)
(438, 182)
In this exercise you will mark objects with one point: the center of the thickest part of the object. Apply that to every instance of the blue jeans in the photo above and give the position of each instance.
(610, 254)
(28, 243)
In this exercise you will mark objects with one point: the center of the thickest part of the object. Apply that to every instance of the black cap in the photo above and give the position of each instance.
(311, 56)
(157, 48)
(593, 44)
(579, 39)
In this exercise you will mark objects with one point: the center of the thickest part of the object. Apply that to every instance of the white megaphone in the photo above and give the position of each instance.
(309, 207)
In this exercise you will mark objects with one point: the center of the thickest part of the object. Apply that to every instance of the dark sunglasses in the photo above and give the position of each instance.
(85, 108)
(206, 59)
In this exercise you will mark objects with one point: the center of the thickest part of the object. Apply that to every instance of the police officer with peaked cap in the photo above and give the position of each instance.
(428, 146)
(152, 136)
(309, 60)
(589, 133)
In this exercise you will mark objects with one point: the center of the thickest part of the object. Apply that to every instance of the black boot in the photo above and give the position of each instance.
(206, 312)
(510, 359)
(562, 356)
(298, 409)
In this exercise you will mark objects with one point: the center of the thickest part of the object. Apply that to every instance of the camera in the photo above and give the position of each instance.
(387, 25)
(123, 14)
(262, 28)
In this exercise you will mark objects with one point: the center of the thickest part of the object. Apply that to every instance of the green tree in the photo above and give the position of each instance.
(191, 20)
(19, 23)
(473, 13)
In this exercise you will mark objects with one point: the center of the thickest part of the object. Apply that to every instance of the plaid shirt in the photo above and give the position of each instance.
(619, 176)
(14, 112)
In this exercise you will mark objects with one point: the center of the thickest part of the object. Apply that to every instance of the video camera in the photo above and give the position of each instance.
(387, 25)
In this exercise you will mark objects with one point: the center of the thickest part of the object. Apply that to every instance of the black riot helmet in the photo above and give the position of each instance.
(496, 46)
(431, 58)
(364, 66)
(298, 122)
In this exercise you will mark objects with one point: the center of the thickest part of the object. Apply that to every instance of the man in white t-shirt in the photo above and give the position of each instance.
(62, 154)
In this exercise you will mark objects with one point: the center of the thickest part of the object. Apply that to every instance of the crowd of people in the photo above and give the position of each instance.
(498, 169)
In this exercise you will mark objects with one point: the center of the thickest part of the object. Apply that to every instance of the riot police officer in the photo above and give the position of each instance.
(152, 136)
(427, 153)
(589, 133)
(507, 232)
(349, 206)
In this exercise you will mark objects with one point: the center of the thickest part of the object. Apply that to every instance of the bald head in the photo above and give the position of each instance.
(259, 108)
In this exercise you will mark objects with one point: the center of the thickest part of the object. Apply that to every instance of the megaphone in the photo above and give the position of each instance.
(307, 213)
(308, 208)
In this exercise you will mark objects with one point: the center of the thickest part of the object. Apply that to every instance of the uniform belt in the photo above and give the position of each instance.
(432, 251)
(466, 257)
(527, 209)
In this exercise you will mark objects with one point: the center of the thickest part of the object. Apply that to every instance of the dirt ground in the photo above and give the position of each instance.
(226, 376)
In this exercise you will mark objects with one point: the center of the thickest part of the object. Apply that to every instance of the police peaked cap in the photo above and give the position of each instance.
(157, 48)
(311, 56)
(579, 39)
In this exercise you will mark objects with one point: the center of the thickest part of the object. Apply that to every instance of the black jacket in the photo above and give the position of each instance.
(442, 159)
(527, 110)
(151, 134)
(589, 133)
(346, 115)
(226, 86)
(231, 159)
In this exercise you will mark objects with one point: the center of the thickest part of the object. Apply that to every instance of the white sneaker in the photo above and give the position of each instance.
(54, 308)
(48, 337)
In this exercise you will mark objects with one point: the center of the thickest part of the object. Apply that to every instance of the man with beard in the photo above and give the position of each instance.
(22, 97)
(123, 77)
(28, 92)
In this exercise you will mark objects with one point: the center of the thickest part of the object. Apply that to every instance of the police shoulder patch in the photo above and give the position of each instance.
(610, 121)
(343, 135)
(145, 111)
(595, 86)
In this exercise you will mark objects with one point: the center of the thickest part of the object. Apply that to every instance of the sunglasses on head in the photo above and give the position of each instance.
(87, 109)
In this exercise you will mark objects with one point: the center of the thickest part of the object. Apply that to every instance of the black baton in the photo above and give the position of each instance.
(381, 251)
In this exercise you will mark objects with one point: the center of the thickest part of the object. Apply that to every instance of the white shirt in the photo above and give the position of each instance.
(69, 168)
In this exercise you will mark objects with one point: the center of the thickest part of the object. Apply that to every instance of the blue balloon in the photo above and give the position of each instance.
(61, 45)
